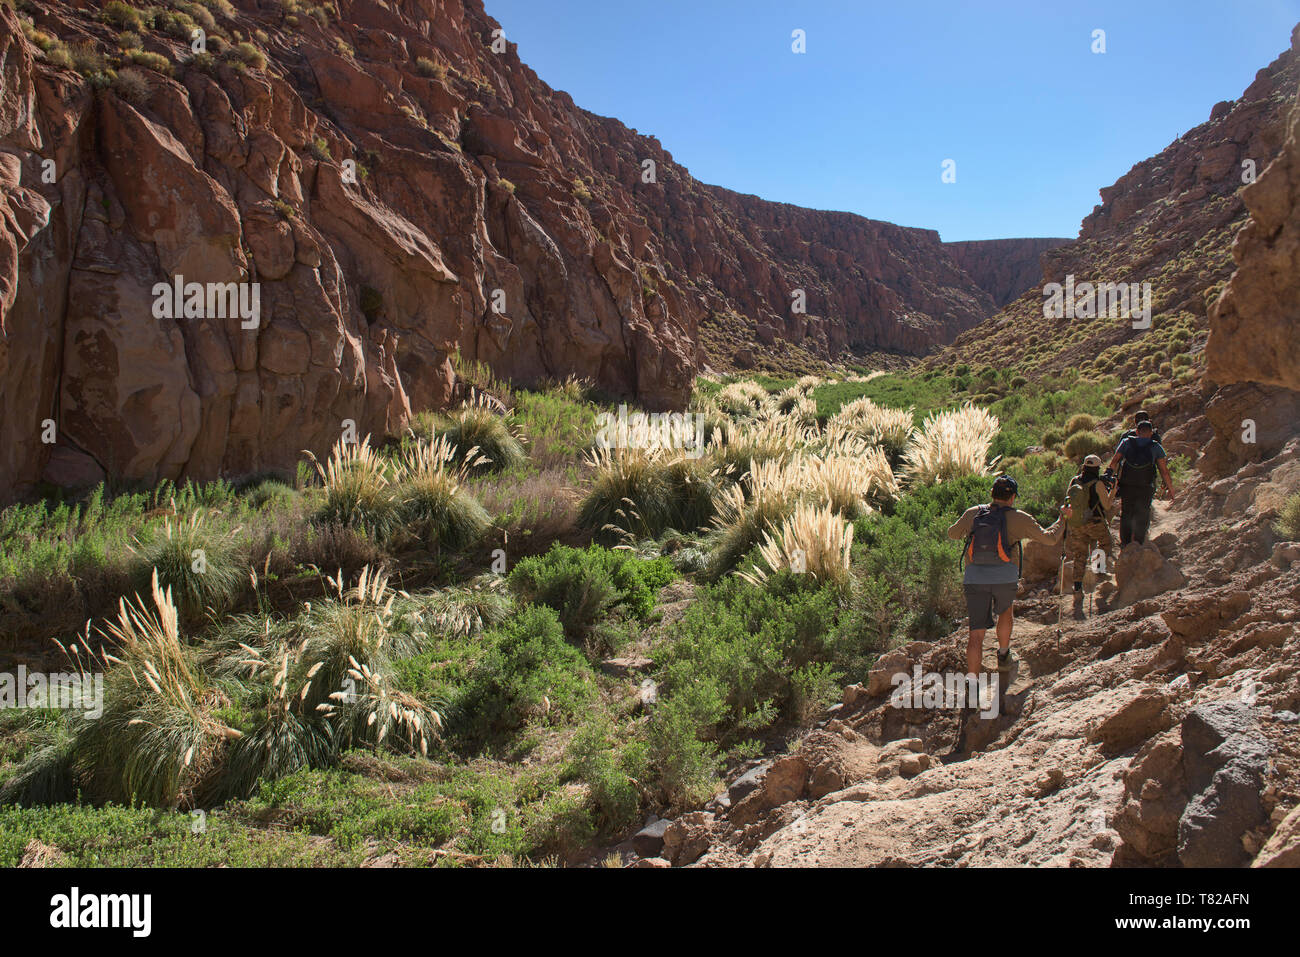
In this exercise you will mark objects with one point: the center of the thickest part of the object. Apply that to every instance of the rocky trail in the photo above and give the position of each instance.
(1162, 732)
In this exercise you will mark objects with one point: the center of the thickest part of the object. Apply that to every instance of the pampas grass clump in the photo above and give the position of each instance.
(432, 504)
(641, 492)
(357, 493)
(745, 398)
(814, 541)
(198, 564)
(951, 445)
(482, 439)
(159, 741)
(891, 429)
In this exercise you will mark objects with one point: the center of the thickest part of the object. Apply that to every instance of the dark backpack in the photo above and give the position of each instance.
(1139, 465)
(987, 543)
(1132, 434)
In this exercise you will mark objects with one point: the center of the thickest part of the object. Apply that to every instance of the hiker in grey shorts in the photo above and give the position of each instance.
(992, 574)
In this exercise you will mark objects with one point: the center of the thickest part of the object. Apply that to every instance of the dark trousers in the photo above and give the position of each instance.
(1134, 516)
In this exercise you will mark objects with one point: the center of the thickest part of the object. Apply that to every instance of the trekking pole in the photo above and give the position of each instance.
(1060, 601)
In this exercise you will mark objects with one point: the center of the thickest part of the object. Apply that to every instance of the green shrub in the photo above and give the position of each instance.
(584, 586)
(1080, 423)
(125, 17)
(1288, 519)
(609, 773)
(528, 672)
(1081, 444)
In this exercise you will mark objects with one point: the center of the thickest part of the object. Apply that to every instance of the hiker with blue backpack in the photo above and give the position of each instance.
(1138, 458)
(991, 576)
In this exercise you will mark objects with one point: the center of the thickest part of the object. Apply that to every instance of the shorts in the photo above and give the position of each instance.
(985, 603)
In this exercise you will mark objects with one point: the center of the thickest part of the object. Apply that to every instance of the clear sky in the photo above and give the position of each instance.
(863, 121)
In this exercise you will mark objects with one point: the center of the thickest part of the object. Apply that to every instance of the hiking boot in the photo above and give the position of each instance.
(1078, 606)
(1004, 660)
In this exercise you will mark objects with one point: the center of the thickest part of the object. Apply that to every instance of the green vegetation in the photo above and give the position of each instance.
(1288, 519)
(398, 649)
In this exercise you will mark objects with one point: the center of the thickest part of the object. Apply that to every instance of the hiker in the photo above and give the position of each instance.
(1091, 495)
(1138, 457)
(1138, 418)
(991, 532)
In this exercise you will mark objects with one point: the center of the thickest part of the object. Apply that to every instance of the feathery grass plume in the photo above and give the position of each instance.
(875, 481)
(841, 483)
(738, 448)
(377, 714)
(797, 406)
(708, 412)
(196, 563)
(745, 398)
(465, 611)
(951, 445)
(481, 438)
(357, 493)
(813, 541)
(285, 739)
(891, 429)
(158, 741)
(356, 627)
(807, 383)
(759, 503)
(628, 494)
(432, 503)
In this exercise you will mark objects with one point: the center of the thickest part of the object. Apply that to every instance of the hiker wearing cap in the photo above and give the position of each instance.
(1138, 458)
(992, 533)
(1138, 418)
(1090, 497)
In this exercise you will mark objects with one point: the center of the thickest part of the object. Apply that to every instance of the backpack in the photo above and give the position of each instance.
(987, 543)
(1139, 465)
(1132, 434)
(1084, 503)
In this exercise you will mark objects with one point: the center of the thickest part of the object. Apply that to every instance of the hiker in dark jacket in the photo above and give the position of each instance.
(1138, 418)
(992, 574)
(1138, 458)
(1090, 498)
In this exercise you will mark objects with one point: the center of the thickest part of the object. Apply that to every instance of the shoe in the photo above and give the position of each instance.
(1004, 660)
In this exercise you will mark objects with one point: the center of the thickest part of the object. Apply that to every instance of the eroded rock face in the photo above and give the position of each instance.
(1253, 352)
(1004, 268)
(398, 190)
(1255, 325)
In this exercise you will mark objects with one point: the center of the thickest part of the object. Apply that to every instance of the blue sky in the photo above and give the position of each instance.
(863, 121)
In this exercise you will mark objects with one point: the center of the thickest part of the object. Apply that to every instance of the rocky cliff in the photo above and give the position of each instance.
(1004, 268)
(1169, 222)
(399, 186)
